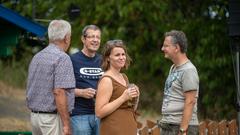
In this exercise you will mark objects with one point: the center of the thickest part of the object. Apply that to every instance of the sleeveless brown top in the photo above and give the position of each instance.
(122, 121)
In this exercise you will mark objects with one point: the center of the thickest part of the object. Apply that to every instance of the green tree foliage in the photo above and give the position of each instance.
(141, 24)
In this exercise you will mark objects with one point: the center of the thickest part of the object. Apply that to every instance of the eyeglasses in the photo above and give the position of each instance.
(165, 45)
(114, 42)
(92, 37)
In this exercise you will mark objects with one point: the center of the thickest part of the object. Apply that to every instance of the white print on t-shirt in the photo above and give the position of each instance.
(91, 71)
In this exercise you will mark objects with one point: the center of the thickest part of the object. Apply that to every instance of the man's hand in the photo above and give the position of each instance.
(67, 130)
(85, 93)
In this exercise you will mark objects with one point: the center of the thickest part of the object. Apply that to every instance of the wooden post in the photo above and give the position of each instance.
(222, 127)
(212, 128)
(202, 128)
(232, 126)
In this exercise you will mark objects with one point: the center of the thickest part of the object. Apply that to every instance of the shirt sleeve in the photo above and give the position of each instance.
(64, 75)
(190, 80)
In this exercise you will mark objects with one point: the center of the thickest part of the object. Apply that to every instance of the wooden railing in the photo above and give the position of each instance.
(207, 127)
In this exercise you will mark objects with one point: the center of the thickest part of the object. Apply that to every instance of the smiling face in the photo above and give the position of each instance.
(117, 58)
(91, 40)
(169, 48)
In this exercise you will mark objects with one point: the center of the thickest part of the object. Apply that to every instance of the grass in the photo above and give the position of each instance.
(14, 124)
(13, 114)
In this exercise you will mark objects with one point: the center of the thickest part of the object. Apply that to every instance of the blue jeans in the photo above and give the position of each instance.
(85, 125)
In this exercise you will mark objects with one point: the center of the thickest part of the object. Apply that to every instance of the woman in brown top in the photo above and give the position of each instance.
(115, 102)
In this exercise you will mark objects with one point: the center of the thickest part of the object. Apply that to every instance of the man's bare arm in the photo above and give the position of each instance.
(62, 108)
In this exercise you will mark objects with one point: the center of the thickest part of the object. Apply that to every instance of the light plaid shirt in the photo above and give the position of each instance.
(49, 69)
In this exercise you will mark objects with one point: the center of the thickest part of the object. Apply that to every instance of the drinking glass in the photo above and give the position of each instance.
(131, 102)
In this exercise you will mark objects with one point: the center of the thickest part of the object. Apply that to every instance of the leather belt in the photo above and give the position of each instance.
(53, 112)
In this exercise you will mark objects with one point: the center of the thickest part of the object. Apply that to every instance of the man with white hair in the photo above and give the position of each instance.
(51, 83)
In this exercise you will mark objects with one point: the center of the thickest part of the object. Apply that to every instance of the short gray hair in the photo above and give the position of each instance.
(58, 29)
(92, 27)
(178, 37)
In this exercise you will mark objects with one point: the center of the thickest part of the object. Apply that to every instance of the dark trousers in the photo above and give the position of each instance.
(173, 129)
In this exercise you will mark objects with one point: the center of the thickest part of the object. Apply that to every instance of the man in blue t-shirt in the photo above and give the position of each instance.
(87, 71)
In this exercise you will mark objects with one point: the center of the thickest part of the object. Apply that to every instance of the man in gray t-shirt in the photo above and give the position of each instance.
(179, 108)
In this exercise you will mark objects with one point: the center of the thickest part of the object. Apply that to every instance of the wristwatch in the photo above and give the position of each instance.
(182, 131)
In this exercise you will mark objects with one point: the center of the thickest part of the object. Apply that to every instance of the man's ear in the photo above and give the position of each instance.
(178, 49)
(67, 38)
(83, 39)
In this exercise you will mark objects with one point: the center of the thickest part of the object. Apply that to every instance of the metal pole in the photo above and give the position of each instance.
(238, 85)
(33, 9)
(235, 49)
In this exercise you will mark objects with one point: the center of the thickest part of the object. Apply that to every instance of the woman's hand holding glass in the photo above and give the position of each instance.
(133, 92)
